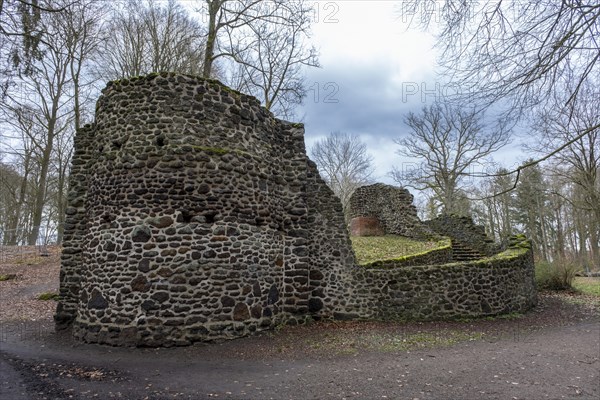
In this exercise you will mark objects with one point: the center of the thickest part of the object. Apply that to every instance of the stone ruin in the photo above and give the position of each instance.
(196, 215)
(464, 233)
(381, 209)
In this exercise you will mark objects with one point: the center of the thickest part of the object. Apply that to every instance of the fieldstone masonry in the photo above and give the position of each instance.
(195, 215)
(464, 232)
(391, 206)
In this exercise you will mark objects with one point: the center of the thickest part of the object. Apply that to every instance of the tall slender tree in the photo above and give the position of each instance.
(48, 99)
(264, 46)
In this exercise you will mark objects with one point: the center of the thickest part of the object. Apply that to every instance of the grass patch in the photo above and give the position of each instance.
(587, 285)
(508, 317)
(49, 296)
(369, 249)
(7, 277)
(32, 260)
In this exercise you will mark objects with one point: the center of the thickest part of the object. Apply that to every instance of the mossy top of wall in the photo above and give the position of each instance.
(440, 255)
(195, 114)
(121, 84)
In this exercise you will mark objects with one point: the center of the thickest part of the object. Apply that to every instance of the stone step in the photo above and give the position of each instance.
(462, 252)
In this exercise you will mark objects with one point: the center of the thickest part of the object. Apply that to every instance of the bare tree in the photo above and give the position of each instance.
(517, 52)
(270, 60)
(149, 37)
(496, 212)
(449, 143)
(534, 213)
(83, 23)
(344, 163)
(45, 102)
(227, 15)
(16, 184)
(20, 19)
(266, 44)
(578, 163)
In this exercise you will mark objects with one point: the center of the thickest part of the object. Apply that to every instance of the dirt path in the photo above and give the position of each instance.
(552, 352)
(553, 363)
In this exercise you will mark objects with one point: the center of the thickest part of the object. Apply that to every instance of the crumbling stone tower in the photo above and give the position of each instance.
(189, 219)
(380, 209)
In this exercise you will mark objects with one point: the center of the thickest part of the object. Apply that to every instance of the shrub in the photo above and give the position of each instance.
(556, 275)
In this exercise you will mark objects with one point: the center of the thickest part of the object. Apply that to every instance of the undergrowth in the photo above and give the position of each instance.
(557, 275)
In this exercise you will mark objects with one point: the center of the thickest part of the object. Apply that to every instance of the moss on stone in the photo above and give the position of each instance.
(398, 261)
(49, 296)
(224, 87)
(221, 151)
(375, 250)
(214, 150)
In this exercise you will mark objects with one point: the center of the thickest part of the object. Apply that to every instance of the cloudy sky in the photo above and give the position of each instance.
(374, 70)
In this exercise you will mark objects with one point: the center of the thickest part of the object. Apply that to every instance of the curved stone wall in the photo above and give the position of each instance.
(188, 218)
(195, 215)
(503, 283)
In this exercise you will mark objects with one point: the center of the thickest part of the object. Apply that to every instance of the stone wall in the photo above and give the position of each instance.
(195, 215)
(75, 228)
(463, 230)
(189, 219)
(500, 284)
(392, 206)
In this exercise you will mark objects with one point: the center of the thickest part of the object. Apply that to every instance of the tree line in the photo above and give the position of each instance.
(534, 61)
(56, 55)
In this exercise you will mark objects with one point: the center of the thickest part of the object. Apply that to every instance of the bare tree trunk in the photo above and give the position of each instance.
(61, 204)
(40, 195)
(211, 39)
(595, 248)
(12, 227)
(560, 237)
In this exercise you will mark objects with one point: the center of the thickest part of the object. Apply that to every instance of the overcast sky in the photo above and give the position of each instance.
(374, 70)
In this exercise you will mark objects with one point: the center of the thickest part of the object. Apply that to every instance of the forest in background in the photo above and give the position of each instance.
(57, 55)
